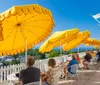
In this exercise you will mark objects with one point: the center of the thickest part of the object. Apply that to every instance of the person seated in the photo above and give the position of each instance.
(98, 55)
(30, 74)
(72, 62)
(48, 76)
(87, 59)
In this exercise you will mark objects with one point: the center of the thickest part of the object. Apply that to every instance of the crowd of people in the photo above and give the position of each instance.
(33, 74)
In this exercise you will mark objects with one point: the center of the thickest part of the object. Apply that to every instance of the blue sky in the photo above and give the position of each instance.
(67, 14)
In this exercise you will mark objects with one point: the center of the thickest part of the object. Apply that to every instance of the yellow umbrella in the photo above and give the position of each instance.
(24, 25)
(89, 41)
(96, 46)
(75, 42)
(58, 38)
(92, 41)
(87, 44)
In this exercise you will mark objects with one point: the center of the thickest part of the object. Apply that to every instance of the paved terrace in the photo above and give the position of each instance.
(86, 77)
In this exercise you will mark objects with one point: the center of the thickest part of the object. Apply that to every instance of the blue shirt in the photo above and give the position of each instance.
(72, 62)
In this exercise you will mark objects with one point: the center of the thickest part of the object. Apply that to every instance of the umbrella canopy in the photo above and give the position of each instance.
(1, 29)
(20, 23)
(81, 36)
(91, 41)
(58, 38)
(96, 46)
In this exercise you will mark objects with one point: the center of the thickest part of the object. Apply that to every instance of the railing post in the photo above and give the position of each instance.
(18, 68)
(10, 69)
(5, 75)
(40, 64)
(13, 68)
(1, 76)
(7, 70)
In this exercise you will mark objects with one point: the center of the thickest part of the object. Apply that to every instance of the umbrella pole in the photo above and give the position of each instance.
(61, 53)
(26, 49)
(78, 49)
(85, 48)
(60, 50)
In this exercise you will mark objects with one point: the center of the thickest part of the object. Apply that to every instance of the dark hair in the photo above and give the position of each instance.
(30, 61)
(51, 62)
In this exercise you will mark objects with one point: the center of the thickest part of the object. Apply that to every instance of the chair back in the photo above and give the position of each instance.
(34, 83)
(74, 68)
(55, 76)
(46, 67)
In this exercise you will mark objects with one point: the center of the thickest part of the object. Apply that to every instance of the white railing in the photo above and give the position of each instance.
(7, 70)
(42, 64)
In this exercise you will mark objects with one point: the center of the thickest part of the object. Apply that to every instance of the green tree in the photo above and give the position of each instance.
(53, 53)
(15, 56)
(16, 59)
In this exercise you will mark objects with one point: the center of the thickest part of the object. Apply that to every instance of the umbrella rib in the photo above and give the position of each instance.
(22, 18)
(14, 38)
(7, 30)
(36, 26)
(37, 21)
(16, 18)
(9, 22)
(7, 36)
(15, 34)
(30, 17)
(31, 32)
(22, 33)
